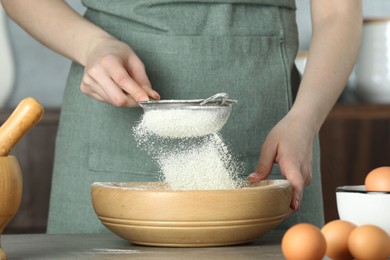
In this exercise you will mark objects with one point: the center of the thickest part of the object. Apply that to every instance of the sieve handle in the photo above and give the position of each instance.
(222, 96)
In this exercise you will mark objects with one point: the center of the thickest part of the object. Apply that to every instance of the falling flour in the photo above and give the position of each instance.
(203, 167)
(190, 153)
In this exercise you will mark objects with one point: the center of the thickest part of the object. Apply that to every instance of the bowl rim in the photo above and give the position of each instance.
(272, 184)
(358, 189)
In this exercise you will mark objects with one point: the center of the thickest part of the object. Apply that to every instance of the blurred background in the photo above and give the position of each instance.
(354, 139)
(46, 82)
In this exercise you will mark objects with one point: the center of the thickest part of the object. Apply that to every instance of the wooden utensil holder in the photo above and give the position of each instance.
(10, 193)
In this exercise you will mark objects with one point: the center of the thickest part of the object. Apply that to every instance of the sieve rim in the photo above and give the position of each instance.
(193, 103)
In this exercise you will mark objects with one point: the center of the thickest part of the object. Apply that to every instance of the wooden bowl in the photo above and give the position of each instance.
(151, 214)
(10, 192)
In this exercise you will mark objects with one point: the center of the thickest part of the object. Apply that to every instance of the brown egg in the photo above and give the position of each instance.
(336, 234)
(303, 241)
(368, 242)
(378, 179)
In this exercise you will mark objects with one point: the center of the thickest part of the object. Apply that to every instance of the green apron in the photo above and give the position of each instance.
(191, 50)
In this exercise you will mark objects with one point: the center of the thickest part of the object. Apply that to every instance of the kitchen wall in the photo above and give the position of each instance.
(41, 73)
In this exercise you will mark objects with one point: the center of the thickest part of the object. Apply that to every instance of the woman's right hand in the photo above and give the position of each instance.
(114, 74)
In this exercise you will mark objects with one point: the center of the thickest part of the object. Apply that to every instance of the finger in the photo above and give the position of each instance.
(115, 69)
(89, 87)
(98, 94)
(264, 167)
(293, 174)
(131, 87)
(296, 198)
(152, 93)
(122, 100)
(104, 84)
(107, 91)
(118, 72)
(131, 102)
(138, 73)
(307, 176)
(97, 97)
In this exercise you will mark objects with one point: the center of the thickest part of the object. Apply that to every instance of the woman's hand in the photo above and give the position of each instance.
(337, 28)
(114, 74)
(289, 144)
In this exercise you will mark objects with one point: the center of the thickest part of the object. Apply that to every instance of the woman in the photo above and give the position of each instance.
(186, 50)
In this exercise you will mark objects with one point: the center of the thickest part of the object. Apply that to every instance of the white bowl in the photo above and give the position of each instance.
(361, 207)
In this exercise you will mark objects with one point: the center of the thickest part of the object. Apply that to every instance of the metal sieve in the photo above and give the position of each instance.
(217, 101)
(217, 107)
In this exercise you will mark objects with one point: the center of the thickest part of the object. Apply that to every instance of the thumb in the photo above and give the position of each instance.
(263, 169)
(298, 186)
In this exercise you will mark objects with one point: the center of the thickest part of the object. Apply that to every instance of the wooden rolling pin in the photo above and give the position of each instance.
(26, 115)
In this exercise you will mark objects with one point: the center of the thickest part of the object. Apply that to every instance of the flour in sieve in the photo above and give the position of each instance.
(182, 123)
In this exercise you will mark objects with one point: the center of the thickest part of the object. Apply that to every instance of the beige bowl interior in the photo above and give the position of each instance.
(152, 214)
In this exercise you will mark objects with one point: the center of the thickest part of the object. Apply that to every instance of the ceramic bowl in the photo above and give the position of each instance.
(151, 214)
(373, 63)
(361, 207)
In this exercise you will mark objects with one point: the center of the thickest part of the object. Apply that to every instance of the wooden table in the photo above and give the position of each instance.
(109, 246)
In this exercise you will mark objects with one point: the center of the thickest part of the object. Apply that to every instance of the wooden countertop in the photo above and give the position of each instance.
(360, 111)
(109, 246)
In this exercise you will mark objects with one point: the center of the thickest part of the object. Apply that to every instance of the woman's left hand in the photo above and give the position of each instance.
(289, 144)
(337, 29)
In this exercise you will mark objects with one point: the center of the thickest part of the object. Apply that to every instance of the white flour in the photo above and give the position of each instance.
(188, 150)
(182, 123)
(201, 167)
